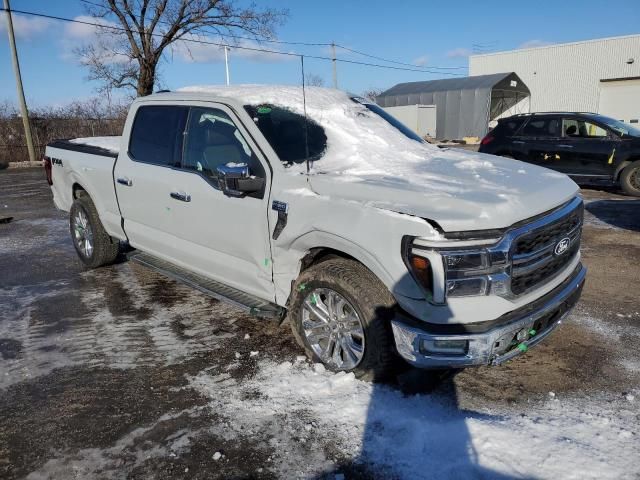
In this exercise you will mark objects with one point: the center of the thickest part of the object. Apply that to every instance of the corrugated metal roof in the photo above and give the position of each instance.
(447, 84)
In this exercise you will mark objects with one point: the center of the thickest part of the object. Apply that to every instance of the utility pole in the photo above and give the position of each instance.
(226, 62)
(333, 60)
(16, 70)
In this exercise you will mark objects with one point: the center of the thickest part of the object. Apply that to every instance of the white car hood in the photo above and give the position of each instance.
(459, 190)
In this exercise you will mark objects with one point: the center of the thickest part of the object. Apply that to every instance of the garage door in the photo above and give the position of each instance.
(620, 99)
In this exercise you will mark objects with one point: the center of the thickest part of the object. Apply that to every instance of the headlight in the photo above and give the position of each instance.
(467, 287)
(443, 272)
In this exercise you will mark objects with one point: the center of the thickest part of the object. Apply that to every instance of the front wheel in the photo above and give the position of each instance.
(340, 314)
(630, 179)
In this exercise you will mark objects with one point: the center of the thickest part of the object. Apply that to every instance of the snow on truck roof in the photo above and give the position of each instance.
(362, 146)
(359, 142)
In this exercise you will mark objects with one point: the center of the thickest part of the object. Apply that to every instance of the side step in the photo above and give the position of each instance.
(253, 305)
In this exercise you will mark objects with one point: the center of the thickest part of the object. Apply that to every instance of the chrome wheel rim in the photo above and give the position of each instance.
(82, 233)
(333, 329)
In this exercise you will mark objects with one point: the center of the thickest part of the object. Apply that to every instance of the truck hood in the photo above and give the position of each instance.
(461, 191)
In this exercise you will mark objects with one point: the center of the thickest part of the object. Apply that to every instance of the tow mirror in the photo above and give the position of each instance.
(235, 180)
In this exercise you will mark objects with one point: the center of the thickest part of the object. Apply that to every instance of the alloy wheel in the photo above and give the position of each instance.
(333, 329)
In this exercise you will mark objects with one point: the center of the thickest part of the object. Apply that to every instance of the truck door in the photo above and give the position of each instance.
(590, 148)
(194, 224)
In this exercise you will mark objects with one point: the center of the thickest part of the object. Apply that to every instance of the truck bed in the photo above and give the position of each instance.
(87, 164)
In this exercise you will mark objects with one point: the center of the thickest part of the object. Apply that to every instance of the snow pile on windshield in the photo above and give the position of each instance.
(108, 143)
(362, 145)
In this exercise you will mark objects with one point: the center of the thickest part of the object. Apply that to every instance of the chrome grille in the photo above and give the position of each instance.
(534, 256)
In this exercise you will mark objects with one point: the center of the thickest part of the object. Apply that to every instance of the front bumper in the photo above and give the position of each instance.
(498, 344)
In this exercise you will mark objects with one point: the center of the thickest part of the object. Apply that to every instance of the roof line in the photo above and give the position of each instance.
(555, 45)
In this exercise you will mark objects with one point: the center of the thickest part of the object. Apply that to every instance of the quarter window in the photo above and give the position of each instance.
(285, 132)
(156, 136)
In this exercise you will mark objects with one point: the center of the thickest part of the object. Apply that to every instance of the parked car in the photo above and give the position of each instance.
(590, 148)
(325, 211)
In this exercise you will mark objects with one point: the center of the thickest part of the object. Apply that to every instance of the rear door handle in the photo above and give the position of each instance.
(519, 142)
(124, 181)
(565, 146)
(183, 197)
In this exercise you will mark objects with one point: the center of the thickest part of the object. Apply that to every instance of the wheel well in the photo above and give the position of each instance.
(622, 166)
(321, 254)
(78, 190)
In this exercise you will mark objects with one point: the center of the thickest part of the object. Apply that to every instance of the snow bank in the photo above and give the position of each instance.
(108, 143)
(300, 410)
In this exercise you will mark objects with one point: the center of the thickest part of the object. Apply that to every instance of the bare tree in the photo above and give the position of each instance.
(371, 94)
(134, 34)
(313, 80)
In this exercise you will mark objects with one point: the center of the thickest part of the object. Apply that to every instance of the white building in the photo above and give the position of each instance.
(601, 76)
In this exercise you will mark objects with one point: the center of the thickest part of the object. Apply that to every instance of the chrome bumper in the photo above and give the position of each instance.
(496, 345)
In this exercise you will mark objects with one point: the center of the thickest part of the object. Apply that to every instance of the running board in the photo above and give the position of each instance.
(253, 305)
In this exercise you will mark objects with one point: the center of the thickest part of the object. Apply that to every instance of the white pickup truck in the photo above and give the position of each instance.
(323, 210)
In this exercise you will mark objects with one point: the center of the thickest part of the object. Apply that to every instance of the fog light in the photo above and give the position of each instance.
(444, 347)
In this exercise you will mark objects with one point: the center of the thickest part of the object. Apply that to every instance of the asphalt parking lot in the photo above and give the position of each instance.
(121, 373)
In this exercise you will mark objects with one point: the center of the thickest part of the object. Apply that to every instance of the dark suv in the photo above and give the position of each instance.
(589, 147)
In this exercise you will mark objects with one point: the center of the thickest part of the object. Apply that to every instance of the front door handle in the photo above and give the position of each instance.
(124, 181)
(183, 197)
(565, 146)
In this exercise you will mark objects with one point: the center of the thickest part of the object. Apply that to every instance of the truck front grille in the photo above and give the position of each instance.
(537, 256)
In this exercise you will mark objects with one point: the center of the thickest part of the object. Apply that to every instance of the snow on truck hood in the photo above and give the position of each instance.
(370, 161)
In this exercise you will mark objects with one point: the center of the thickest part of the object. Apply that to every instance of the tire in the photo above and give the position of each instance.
(365, 295)
(630, 179)
(84, 223)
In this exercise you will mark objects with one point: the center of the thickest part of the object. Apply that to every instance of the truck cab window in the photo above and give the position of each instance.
(285, 132)
(213, 140)
(156, 135)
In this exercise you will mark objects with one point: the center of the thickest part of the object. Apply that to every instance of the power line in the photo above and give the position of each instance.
(395, 61)
(219, 44)
(319, 44)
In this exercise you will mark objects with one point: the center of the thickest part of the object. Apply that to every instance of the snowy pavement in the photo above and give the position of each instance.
(120, 373)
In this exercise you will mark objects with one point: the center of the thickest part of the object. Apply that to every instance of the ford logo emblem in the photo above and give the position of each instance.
(562, 246)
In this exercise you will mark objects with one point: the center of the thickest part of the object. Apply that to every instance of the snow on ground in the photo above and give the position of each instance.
(315, 419)
(108, 143)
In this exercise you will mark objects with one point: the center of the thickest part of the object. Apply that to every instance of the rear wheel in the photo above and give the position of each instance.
(92, 243)
(340, 314)
(630, 179)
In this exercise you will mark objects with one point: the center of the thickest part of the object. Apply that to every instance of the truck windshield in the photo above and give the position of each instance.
(406, 131)
(619, 127)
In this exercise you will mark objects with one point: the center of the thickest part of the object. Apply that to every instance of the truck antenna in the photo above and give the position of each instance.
(304, 107)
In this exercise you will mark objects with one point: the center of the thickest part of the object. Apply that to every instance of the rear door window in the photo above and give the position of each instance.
(285, 132)
(542, 127)
(156, 136)
(508, 127)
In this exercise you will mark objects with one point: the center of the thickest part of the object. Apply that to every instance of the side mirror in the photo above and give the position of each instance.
(235, 180)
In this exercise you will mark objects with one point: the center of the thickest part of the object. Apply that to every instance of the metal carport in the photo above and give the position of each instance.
(465, 106)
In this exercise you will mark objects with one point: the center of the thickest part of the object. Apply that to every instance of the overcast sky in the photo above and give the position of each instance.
(429, 33)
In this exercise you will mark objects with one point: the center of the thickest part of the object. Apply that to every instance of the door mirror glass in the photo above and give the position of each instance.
(235, 180)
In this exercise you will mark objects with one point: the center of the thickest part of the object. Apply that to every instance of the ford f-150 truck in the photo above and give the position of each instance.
(322, 210)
